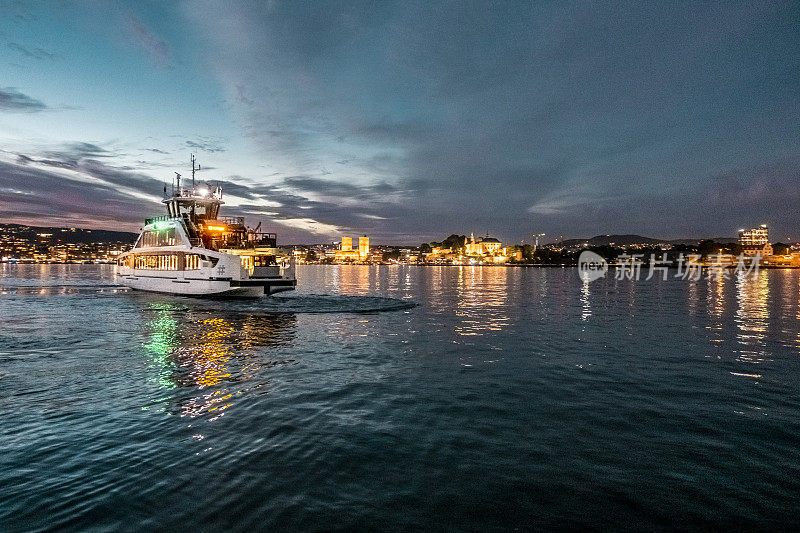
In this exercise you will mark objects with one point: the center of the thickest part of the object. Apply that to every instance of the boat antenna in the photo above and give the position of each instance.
(193, 169)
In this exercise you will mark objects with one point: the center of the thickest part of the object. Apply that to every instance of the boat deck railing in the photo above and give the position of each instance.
(262, 240)
(255, 240)
(233, 221)
(161, 218)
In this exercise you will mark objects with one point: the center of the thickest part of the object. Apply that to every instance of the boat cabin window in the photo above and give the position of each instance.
(192, 262)
(156, 262)
(264, 260)
(164, 237)
(195, 261)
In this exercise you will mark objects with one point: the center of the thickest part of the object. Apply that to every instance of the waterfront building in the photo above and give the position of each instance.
(784, 261)
(754, 237)
(486, 249)
(346, 253)
(470, 250)
(483, 246)
(755, 241)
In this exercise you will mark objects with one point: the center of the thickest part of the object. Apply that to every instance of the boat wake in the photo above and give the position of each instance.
(294, 303)
(325, 303)
(322, 303)
(276, 305)
(63, 288)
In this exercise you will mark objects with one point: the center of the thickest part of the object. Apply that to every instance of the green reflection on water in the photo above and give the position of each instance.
(211, 351)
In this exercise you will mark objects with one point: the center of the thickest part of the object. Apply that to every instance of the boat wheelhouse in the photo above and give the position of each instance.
(193, 251)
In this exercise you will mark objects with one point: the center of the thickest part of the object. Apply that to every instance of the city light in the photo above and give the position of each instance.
(27, 244)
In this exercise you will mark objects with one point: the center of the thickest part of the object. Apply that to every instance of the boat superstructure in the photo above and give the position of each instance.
(193, 251)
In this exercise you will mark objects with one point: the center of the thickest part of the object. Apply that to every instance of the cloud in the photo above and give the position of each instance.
(33, 53)
(408, 118)
(242, 96)
(207, 145)
(44, 196)
(70, 154)
(14, 101)
(18, 10)
(156, 49)
(326, 187)
(79, 180)
(519, 117)
(82, 163)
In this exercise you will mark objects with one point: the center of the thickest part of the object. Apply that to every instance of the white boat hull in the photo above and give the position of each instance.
(252, 288)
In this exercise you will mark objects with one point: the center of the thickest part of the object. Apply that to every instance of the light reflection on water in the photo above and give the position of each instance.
(510, 398)
(211, 352)
(752, 316)
(481, 300)
(715, 306)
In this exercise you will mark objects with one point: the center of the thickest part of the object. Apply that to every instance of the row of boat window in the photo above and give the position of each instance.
(164, 261)
(165, 237)
(182, 261)
(157, 262)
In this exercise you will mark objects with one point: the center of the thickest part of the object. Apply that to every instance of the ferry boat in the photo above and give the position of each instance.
(193, 251)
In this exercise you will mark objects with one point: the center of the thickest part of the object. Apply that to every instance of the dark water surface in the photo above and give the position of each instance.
(506, 398)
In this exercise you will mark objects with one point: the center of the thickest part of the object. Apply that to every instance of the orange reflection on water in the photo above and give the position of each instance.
(693, 299)
(752, 316)
(797, 315)
(212, 355)
(715, 299)
(364, 280)
(356, 279)
(715, 306)
(481, 299)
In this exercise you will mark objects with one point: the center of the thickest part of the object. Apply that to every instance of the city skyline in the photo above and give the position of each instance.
(405, 120)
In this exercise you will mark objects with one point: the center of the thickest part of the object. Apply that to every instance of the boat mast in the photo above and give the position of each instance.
(194, 168)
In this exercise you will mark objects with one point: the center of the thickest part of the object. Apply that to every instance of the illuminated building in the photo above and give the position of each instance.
(347, 253)
(483, 246)
(754, 237)
(469, 251)
(488, 249)
(755, 241)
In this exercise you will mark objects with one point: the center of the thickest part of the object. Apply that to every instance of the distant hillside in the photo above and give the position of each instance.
(632, 240)
(721, 240)
(606, 240)
(67, 235)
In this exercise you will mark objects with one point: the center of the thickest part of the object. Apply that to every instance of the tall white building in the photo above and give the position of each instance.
(754, 237)
(755, 241)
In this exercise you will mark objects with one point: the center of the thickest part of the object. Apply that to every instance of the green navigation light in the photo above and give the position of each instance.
(158, 226)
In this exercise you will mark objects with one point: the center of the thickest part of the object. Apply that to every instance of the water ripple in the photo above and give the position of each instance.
(400, 398)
